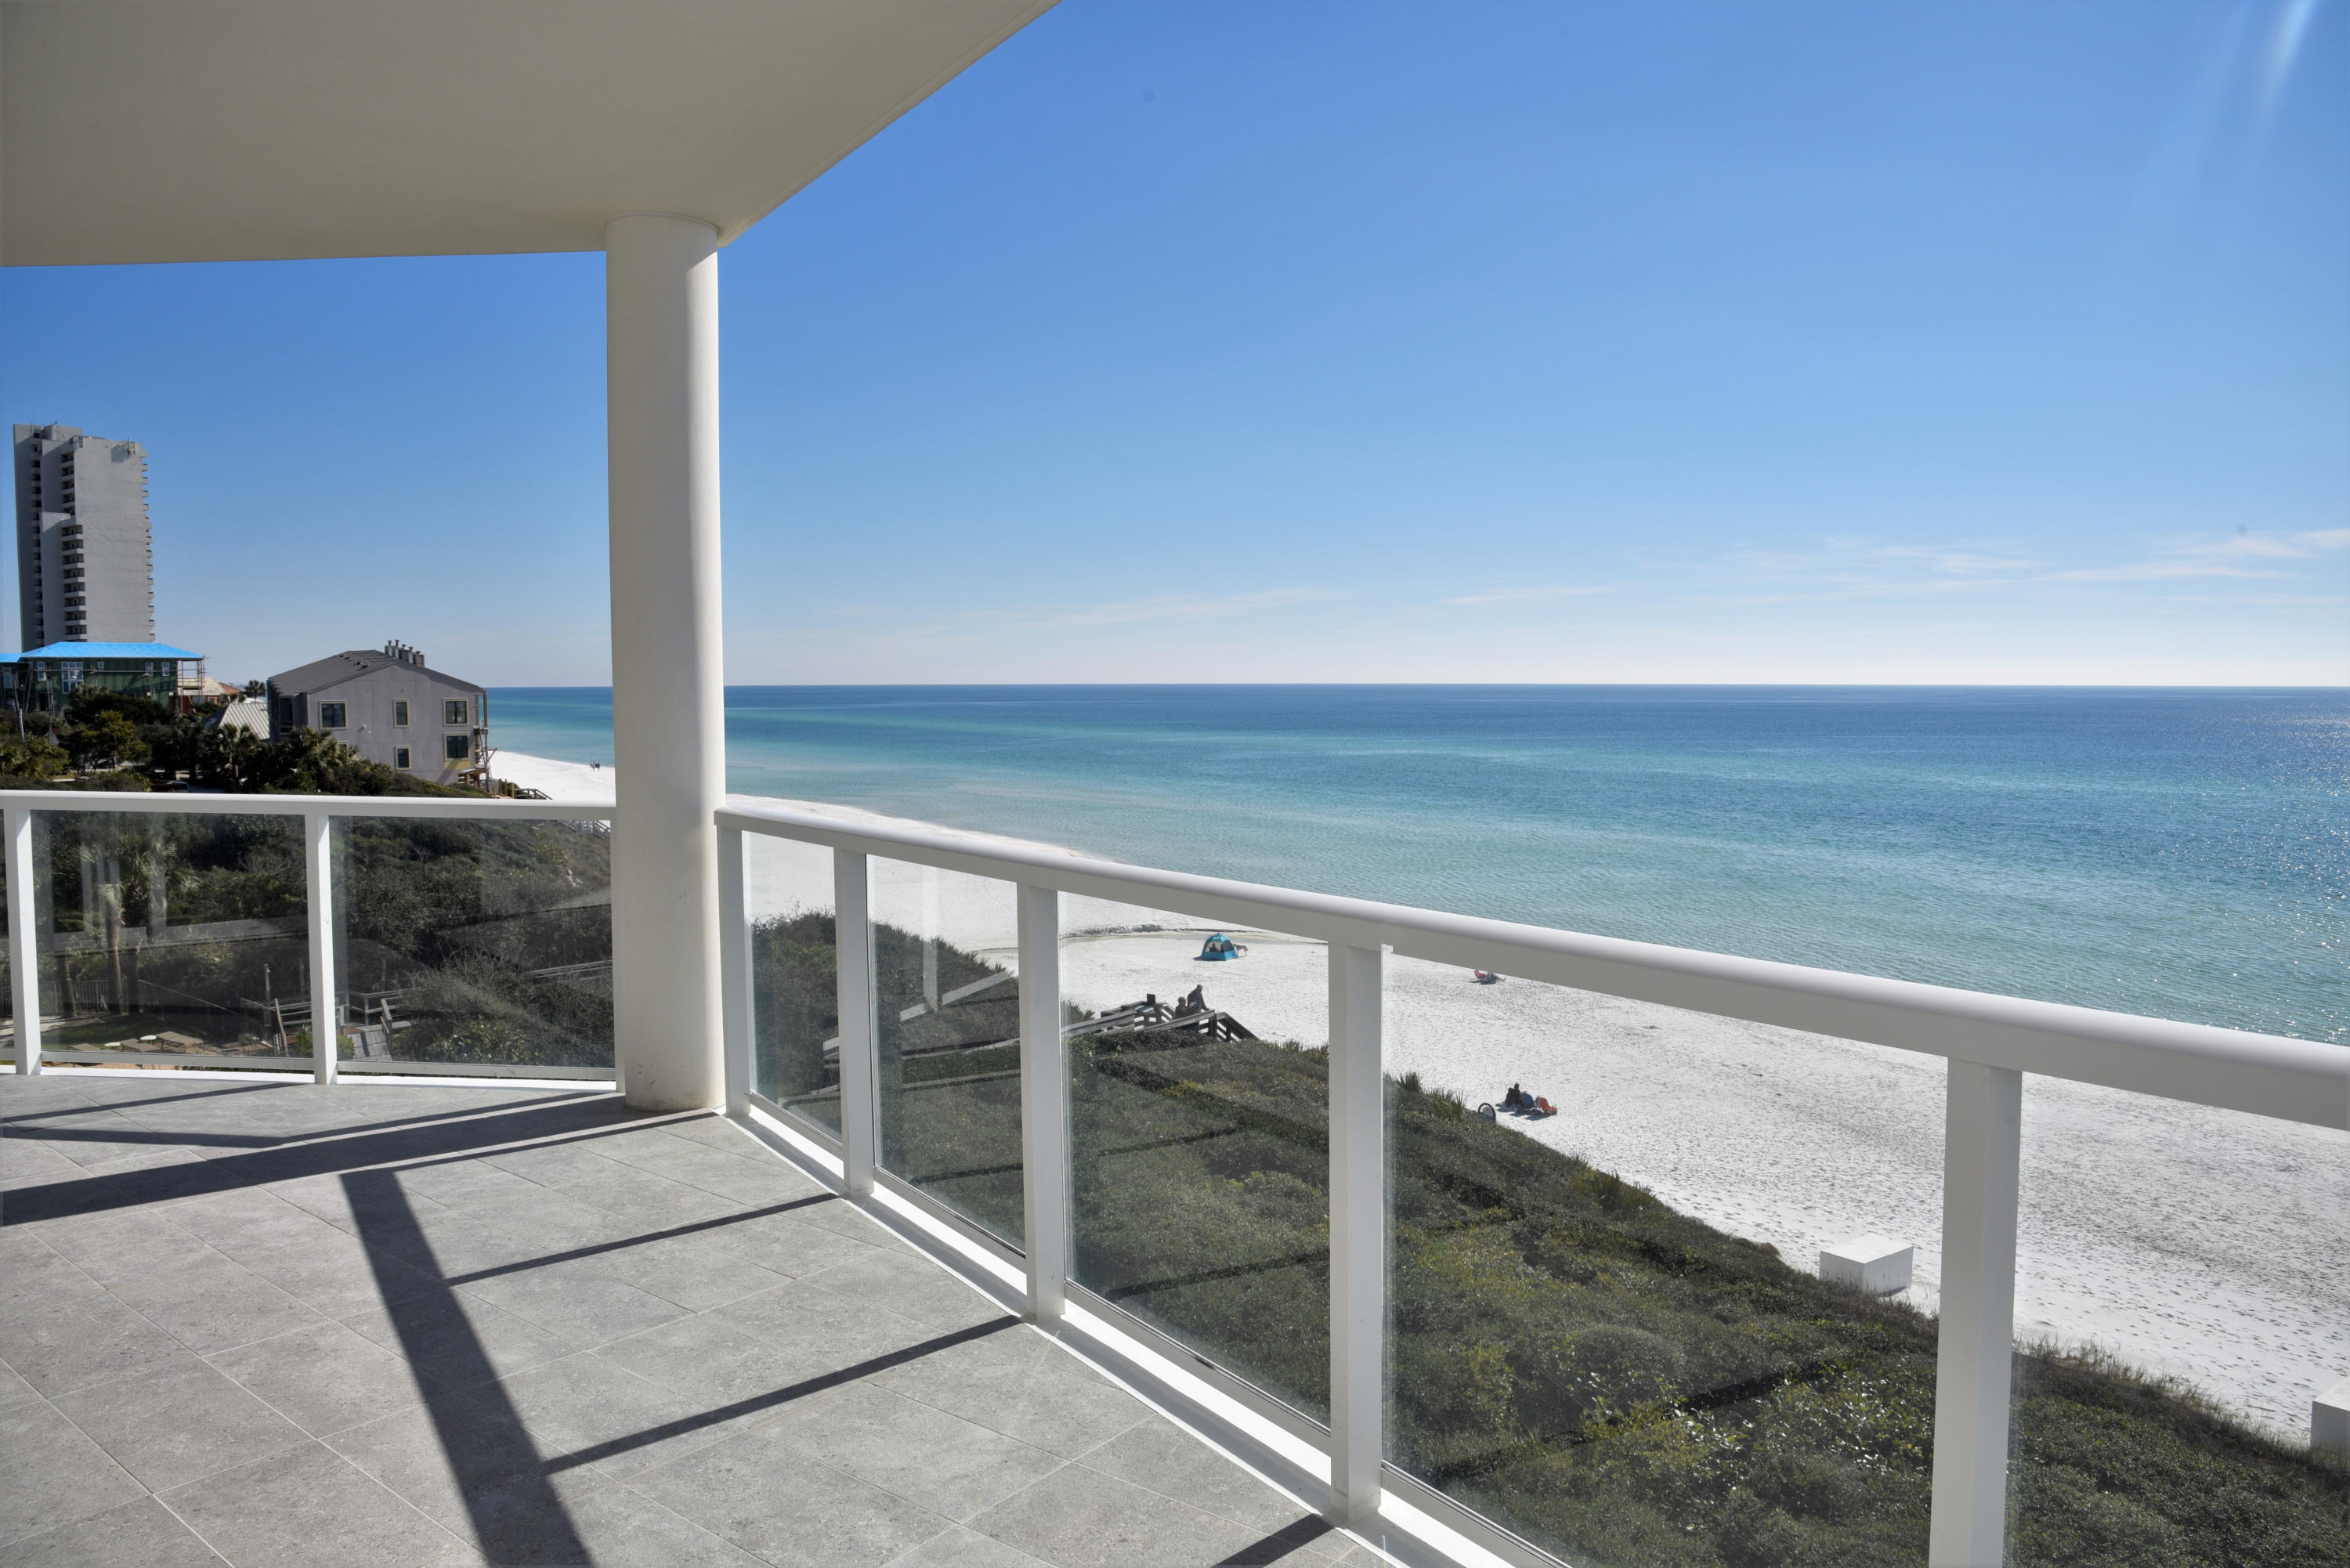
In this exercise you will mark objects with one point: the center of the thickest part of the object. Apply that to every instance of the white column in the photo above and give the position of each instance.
(852, 931)
(24, 940)
(1358, 1236)
(660, 291)
(735, 965)
(326, 993)
(1982, 1137)
(1044, 1105)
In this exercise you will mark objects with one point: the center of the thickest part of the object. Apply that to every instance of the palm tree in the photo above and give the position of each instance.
(232, 748)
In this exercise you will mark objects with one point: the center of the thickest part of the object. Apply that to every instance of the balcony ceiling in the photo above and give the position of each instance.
(265, 129)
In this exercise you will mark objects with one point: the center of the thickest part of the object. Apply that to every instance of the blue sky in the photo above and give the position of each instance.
(1182, 339)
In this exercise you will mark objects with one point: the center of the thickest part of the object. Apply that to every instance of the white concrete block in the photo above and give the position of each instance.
(2329, 1419)
(1873, 1264)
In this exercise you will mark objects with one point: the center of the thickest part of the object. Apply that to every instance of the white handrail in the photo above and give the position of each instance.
(192, 804)
(2267, 1075)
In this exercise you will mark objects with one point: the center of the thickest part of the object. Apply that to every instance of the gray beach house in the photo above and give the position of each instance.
(390, 707)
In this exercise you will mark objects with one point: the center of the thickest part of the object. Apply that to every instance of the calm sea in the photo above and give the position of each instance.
(2177, 852)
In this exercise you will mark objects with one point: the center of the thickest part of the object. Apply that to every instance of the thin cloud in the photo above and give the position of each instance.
(1957, 563)
(1523, 596)
(1134, 612)
(1859, 562)
(1845, 568)
(2269, 544)
(2154, 571)
(1843, 590)
(2208, 557)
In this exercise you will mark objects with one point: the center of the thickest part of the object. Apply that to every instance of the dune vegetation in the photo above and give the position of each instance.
(1618, 1383)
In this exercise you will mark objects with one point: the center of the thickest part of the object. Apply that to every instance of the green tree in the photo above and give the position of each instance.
(173, 744)
(226, 756)
(108, 740)
(310, 761)
(90, 703)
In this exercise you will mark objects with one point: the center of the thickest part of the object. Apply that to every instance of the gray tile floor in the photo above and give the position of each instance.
(395, 1325)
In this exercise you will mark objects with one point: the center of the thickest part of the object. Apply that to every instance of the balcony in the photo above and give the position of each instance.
(963, 1258)
(390, 1324)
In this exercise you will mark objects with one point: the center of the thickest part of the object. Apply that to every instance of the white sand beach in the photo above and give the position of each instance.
(2204, 1244)
(578, 782)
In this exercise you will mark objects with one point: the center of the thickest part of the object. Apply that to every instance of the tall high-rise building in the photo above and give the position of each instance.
(85, 555)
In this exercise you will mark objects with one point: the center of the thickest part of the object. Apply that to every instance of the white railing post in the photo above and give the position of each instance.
(1359, 1217)
(1044, 1105)
(1980, 1149)
(24, 940)
(734, 973)
(852, 928)
(325, 1008)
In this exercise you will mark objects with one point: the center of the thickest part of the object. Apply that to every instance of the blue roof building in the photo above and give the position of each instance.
(44, 680)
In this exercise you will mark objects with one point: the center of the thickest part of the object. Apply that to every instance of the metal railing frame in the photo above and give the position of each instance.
(317, 813)
(1990, 1041)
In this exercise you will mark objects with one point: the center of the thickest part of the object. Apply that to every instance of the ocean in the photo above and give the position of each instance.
(2183, 853)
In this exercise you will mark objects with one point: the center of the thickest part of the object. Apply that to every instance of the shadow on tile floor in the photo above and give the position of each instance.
(390, 1325)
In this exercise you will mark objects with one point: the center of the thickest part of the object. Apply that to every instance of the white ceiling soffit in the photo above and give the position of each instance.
(203, 130)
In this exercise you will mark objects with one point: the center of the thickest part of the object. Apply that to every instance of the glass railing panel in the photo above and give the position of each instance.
(947, 1036)
(1609, 1328)
(474, 943)
(2180, 1301)
(7, 969)
(1199, 1135)
(795, 996)
(172, 935)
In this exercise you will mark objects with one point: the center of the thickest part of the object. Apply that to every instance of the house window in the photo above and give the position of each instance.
(460, 747)
(285, 712)
(399, 716)
(330, 715)
(400, 755)
(453, 712)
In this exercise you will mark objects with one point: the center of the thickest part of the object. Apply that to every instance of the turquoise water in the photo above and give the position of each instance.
(2183, 853)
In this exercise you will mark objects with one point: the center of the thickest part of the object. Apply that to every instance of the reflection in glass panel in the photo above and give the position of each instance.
(795, 1002)
(1199, 1133)
(1607, 1329)
(469, 941)
(2180, 1301)
(947, 1094)
(172, 935)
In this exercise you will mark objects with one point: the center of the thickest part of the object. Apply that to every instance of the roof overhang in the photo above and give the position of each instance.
(175, 130)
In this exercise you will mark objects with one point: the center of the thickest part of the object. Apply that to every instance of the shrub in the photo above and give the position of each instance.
(33, 758)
